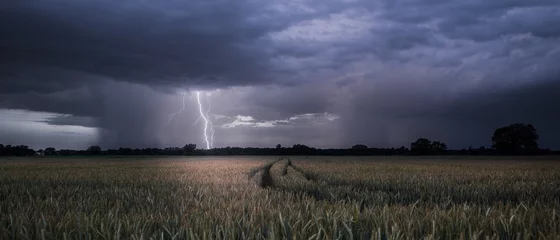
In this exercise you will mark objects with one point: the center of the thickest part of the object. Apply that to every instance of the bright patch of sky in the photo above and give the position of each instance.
(300, 119)
(33, 129)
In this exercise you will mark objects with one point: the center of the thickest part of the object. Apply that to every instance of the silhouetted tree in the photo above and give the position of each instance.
(278, 146)
(49, 151)
(69, 152)
(301, 149)
(189, 148)
(20, 150)
(124, 151)
(517, 138)
(401, 150)
(359, 147)
(438, 147)
(423, 146)
(94, 150)
(173, 151)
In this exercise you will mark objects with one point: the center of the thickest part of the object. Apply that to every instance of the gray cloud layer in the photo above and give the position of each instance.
(392, 70)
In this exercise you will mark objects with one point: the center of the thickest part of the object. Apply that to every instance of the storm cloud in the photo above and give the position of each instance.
(390, 71)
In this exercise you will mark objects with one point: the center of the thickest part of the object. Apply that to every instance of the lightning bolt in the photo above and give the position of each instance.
(209, 142)
(208, 126)
(210, 122)
(182, 109)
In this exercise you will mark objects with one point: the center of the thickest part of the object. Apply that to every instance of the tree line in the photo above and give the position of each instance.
(515, 139)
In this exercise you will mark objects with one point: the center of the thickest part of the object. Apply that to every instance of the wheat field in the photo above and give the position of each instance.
(272, 198)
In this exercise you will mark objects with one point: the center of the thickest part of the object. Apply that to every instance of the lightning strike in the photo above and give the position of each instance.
(209, 142)
(208, 126)
(210, 122)
(182, 109)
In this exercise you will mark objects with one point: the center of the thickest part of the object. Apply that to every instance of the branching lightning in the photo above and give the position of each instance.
(182, 109)
(204, 115)
(209, 140)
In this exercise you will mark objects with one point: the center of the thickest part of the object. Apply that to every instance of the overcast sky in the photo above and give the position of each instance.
(316, 72)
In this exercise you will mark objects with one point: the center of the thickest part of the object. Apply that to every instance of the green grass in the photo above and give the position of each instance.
(315, 197)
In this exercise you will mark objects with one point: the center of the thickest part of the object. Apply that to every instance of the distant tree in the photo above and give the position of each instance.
(21, 150)
(359, 147)
(517, 138)
(423, 146)
(172, 151)
(301, 149)
(40, 152)
(49, 151)
(69, 152)
(94, 150)
(278, 146)
(124, 151)
(26, 151)
(189, 148)
(438, 147)
(300, 146)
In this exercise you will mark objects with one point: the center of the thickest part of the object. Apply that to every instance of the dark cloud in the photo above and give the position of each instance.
(513, 21)
(460, 122)
(173, 43)
(533, 104)
(392, 70)
(79, 101)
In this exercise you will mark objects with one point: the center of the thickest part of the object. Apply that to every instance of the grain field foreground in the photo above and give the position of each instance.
(305, 198)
